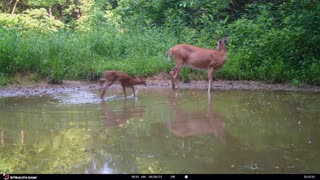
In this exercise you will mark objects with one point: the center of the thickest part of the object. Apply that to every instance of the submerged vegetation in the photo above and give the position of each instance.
(274, 41)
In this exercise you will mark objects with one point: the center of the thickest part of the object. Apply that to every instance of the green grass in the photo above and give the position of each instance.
(3, 80)
(82, 55)
(76, 55)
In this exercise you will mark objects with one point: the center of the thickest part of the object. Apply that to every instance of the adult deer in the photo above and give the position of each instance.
(198, 58)
(109, 77)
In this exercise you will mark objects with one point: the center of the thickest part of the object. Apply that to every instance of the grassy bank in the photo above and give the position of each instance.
(76, 55)
(82, 55)
(273, 41)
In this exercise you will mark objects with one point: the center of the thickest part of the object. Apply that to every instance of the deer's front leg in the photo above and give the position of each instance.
(210, 77)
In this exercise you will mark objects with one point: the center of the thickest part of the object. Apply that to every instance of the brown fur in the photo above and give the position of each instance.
(109, 77)
(198, 58)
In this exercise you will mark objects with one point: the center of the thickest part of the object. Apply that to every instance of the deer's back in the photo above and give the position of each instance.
(196, 57)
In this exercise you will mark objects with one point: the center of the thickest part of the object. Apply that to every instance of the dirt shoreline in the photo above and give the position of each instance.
(42, 88)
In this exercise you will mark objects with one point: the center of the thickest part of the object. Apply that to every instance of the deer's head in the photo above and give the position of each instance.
(222, 43)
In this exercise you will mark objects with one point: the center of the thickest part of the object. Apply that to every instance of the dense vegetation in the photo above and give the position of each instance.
(274, 41)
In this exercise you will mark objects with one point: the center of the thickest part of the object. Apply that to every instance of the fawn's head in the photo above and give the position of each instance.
(101, 81)
(141, 80)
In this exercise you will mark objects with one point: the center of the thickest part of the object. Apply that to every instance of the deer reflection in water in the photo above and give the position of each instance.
(9, 135)
(2, 137)
(118, 117)
(115, 116)
(187, 123)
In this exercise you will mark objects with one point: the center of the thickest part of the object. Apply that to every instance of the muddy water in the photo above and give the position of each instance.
(161, 132)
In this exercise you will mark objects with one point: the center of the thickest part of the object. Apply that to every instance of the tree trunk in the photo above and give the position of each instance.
(50, 11)
(114, 3)
(14, 6)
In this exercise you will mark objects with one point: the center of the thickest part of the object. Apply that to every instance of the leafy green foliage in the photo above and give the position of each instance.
(270, 40)
(275, 52)
(82, 55)
(36, 20)
(3, 80)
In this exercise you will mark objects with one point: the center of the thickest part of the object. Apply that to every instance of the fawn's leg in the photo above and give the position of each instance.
(134, 92)
(106, 87)
(124, 91)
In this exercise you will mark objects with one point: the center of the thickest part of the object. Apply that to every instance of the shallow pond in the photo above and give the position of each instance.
(161, 131)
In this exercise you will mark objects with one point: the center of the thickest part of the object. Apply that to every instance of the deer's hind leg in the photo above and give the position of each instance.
(175, 76)
(172, 79)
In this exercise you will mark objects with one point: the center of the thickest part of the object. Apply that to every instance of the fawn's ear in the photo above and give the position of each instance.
(102, 79)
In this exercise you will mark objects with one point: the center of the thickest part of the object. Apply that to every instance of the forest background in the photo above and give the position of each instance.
(270, 40)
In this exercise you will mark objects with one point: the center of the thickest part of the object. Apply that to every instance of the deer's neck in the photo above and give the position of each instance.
(223, 49)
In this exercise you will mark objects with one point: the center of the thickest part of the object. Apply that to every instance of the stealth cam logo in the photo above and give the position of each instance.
(5, 176)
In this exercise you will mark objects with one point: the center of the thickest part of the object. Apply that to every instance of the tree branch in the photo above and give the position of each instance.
(14, 7)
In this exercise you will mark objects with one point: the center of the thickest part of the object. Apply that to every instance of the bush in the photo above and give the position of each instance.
(272, 41)
(3, 80)
(83, 55)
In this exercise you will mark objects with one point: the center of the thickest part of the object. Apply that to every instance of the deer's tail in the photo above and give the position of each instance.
(169, 54)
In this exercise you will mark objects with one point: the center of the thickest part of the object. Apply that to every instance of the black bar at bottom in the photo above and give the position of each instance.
(158, 176)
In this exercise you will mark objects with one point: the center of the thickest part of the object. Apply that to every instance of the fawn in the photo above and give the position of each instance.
(109, 77)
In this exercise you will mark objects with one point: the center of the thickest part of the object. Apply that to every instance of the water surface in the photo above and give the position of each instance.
(161, 132)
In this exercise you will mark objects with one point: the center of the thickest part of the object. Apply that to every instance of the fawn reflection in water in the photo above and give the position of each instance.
(114, 116)
(117, 117)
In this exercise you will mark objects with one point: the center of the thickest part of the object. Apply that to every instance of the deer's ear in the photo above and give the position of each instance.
(227, 38)
(217, 37)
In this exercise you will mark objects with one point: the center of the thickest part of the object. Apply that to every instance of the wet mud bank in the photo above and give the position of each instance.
(70, 86)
